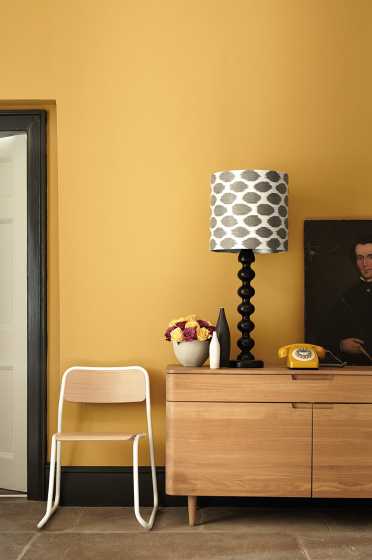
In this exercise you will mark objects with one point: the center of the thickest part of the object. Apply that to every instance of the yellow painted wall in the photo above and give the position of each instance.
(146, 99)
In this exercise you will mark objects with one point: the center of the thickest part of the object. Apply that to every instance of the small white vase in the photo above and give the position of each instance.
(193, 353)
(214, 352)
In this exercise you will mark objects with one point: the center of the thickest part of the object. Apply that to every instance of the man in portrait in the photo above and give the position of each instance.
(347, 332)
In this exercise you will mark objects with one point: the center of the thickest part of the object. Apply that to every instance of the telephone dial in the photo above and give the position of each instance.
(302, 356)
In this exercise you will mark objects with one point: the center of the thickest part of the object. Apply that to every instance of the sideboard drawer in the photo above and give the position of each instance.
(292, 387)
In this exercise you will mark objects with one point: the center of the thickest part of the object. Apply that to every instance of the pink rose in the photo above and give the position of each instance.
(211, 329)
(189, 334)
(181, 325)
(168, 333)
(203, 323)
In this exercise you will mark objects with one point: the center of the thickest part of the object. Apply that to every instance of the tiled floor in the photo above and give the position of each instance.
(252, 533)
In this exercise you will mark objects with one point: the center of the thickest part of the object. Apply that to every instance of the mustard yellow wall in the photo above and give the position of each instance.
(146, 99)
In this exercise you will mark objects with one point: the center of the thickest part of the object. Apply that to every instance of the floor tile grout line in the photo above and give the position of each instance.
(302, 545)
(325, 521)
(28, 545)
(186, 531)
(78, 517)
(197, 530)
(202, 521)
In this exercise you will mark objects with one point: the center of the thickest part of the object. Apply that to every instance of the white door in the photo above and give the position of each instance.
(13, 311)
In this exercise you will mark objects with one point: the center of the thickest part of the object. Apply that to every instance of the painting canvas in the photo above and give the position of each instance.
(338, 288)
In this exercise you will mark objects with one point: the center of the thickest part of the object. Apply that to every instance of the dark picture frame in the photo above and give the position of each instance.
(330, 274)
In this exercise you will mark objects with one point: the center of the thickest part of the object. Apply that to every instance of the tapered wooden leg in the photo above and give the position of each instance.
(192, 510)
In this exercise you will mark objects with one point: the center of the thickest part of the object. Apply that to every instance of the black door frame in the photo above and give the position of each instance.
(33, 122)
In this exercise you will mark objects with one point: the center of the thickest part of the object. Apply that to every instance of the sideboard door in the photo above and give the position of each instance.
(342, 451)
(238, 449)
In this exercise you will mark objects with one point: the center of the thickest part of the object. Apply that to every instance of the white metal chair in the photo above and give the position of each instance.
(103, 385)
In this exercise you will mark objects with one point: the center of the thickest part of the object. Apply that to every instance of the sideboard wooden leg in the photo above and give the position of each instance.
(192, 509)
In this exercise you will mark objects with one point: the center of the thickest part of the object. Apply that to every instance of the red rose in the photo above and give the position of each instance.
(181, 325)
(167, 333)
(203, 324)
(189, 334)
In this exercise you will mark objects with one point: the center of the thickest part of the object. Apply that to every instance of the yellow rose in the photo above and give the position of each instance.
(203, 334)
(192, 318)
(176, 321)
(176, 335)
(192, 325)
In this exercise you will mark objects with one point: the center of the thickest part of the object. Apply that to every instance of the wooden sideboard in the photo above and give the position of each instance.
(268, 432)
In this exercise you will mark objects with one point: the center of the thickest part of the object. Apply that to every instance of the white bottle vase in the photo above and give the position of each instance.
(214, 352)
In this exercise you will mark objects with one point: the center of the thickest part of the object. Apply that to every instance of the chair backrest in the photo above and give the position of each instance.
(104, 385)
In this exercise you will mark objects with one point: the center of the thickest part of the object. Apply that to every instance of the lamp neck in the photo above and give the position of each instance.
(246, 256)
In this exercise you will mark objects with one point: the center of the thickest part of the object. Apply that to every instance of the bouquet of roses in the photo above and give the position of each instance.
(189, 328)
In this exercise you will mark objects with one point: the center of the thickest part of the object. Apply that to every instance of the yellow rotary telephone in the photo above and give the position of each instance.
(301, 355)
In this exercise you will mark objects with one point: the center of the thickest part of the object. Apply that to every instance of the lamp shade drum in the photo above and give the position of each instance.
(249, 210)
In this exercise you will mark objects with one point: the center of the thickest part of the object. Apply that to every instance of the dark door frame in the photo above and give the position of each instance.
(33, 122)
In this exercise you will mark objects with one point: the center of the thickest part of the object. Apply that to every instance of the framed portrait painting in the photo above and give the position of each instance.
(338, 288)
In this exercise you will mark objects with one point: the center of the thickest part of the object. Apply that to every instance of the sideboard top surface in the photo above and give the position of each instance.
(270, 370)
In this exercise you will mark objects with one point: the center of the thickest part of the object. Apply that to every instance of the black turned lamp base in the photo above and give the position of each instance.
(246, 364)
(245, 343)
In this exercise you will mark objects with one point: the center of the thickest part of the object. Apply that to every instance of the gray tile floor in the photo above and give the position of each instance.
(223, 533)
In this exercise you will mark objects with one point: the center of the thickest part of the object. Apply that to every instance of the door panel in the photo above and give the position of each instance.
(238, 449)
(13, 312)
(6, 276)
(342, 460)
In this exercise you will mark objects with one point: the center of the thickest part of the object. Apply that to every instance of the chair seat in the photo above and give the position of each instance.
(97, 436)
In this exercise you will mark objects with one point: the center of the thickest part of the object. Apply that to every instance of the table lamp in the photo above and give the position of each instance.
(249, 214)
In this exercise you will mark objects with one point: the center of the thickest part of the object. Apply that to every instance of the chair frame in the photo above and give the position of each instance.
(55, 467)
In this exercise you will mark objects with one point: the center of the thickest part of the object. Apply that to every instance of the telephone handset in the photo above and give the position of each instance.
(301, 355)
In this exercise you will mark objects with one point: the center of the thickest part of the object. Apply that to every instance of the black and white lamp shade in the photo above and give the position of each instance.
(249, 210)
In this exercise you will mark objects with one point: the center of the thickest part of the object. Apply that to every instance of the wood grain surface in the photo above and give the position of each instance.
(342, 461)
(224, 449)
(271, 388)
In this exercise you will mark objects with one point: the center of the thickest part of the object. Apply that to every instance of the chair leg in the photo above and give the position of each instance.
(140, 519)
(58, 477)
(153, 473)
(51, 509)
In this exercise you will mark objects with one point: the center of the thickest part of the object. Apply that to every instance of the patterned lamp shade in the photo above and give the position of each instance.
(249, 210)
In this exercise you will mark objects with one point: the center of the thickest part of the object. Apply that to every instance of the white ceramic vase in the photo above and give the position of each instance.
(214, 352)
(193, 353)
